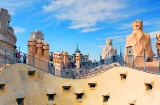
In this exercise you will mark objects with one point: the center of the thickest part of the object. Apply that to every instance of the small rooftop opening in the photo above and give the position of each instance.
(149, 87)
(106, 99)
(123, 76)
(92, 84)
(66, 86)
(50, 97)
(31, 73)
(20, 101)
(79, 96)
(2, 86)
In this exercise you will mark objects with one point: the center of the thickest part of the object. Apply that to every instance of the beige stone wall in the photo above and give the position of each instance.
(122, 92)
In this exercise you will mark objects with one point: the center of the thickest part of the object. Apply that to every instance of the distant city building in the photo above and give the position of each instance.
(7, 37)
(72, 58)
(84, 58)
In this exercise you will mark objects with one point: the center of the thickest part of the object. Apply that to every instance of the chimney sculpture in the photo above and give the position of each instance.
(136, 43)
(38, 51)
(65, 60)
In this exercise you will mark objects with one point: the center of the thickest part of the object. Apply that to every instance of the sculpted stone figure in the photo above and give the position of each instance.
(54, 58)
(158, 44)
(60, 59)
(108, 50)
(58, 62)
(37, 35)
(65, 60)
(138, 42)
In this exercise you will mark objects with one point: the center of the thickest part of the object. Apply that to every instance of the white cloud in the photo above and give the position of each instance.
(101, 38)
(101, 46)
(114, 38)
(153, 34)
(14, 5)
(90, 29)
(118, 38)
(125, 26)
(18, 29)
(129, 25)
(146, 23)
(123, 38)
(85, 15)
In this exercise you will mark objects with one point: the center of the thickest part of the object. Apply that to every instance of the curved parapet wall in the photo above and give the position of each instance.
(117, 86)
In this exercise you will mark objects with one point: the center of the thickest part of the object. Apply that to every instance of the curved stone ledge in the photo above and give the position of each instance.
(8, 34)
(6, 40)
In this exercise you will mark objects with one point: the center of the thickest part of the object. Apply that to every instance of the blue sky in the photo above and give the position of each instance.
(87, 23)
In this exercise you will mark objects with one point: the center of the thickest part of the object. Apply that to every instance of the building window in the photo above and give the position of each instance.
(50, 97)
(20, 101)
(81, 71)
(31, 73)
(79, 96)
(67, 73)
(2, 86)
(105, 99)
